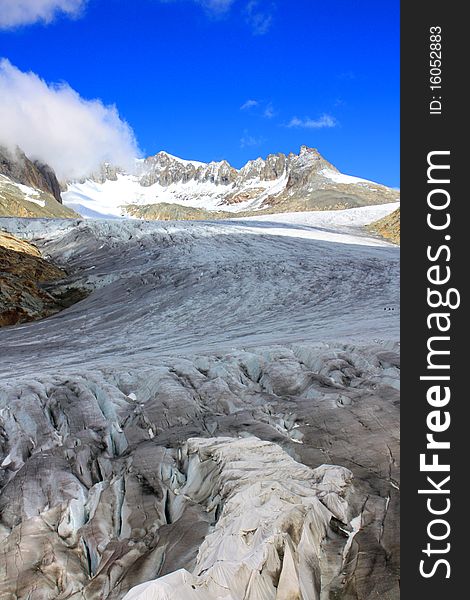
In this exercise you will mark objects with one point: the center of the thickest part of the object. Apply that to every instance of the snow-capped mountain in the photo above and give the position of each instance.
(164, 186)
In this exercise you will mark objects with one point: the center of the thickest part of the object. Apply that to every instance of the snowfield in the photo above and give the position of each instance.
(106, 200)
(342, 178)
(218, 419)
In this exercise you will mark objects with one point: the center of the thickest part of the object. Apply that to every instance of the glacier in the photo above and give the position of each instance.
(218, 418)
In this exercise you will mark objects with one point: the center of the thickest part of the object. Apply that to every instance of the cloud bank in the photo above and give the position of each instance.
(14, 13)
(52, 123)
(325, 121)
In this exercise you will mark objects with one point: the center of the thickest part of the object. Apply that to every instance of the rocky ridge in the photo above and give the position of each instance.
(279, 183)
(164, 187)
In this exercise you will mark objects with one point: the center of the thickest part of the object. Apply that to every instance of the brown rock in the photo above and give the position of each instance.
(388, 227)
(22, 272)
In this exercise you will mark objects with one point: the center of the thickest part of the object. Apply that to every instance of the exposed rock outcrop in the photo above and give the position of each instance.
(18, 167)
(24, 276)
(388, 227)
(29, 188)
(165, 211)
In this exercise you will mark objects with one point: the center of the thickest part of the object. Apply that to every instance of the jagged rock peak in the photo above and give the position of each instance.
(278, 182)
(166, 169)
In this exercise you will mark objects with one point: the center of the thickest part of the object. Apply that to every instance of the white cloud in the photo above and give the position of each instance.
(266, 109)
(248, 140)
(249, 104)
(54, 124)
(325, 121)
(14, 13)
(216, 6)
(258, 18)
(269, 111)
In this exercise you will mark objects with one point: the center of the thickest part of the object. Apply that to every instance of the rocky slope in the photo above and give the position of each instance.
(165, 211)
(388, 227)
(165, 187)
(219, 418)
(29, 188)
(27, 291)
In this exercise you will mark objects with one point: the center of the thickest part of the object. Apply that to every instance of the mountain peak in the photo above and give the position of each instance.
(279, 182)
(166, 156)
(307, 150)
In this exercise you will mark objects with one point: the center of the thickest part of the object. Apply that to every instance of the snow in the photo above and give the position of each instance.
(341, 226)
(31, 194)
(338, 177)
(106, 200)
(195, 163)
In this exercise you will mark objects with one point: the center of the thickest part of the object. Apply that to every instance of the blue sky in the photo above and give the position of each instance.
(260, 76)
